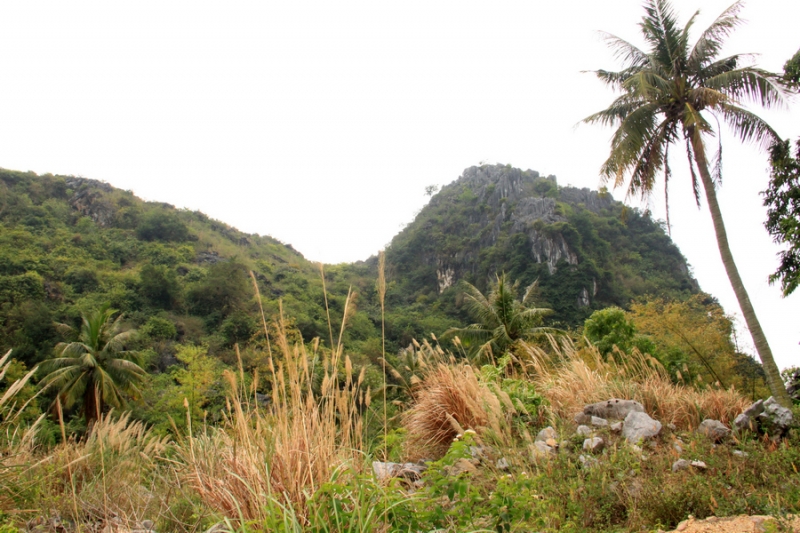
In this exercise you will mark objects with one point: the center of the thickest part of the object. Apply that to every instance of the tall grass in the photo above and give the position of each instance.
(279, 456)
(569, 378)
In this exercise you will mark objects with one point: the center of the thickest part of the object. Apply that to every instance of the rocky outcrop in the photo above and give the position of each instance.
(638, 427)
(767, 417)
(613, 409)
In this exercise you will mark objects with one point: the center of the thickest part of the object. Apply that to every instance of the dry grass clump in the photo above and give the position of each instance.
(280, 455)
(112, 476)
(573, 378)
(449, 400)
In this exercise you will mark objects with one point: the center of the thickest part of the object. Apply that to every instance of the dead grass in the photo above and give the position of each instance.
(570, 378)
(282, 454)
(447, 401)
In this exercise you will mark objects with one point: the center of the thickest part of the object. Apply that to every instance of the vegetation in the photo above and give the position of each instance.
(95, 369)
(503, 320)
(667, 93)
(241, 388)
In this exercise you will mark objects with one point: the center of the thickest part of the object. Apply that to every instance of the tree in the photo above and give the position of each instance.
(502, 319)
(791, 72)
(95, 369)
(667, 96)
(782, 200)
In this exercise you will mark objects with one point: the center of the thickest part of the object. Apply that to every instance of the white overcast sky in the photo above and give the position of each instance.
(321, 123)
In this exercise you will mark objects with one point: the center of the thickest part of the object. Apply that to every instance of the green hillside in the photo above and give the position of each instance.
(70, 244)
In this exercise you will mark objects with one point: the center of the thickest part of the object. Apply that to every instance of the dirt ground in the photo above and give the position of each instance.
(739, 524)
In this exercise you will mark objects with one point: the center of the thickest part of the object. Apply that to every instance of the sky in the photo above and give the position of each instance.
(321, 123)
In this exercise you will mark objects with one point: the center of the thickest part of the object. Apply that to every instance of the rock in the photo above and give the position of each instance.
(219, 527)
(540, 449)
(677, 447)
(700, 465)
(775, 420)
(410, 471)
(148, 525)
(552, 443)
(745, 423)
(461, 466)
(680, 464)
(613, 409)
(599, 422)
(582, 419)
(638, 426)
(593, 445)
(713, 429)
(616, 427)
(546, 433)
(672, 427)
(740, 453)
(767, 416)
(755, 409)
(587, 461)
(502, 464)
(477, 452)
(584, 431)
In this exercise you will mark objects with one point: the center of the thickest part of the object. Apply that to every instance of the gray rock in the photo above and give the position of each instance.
(599, 422)
(410, 471)
(616, 427)
(775, 420)
(540, 449)
(584, 431)
(680, 464)
(587, 461)
(740, 453)
(594, 445)
(713, 429)
(582, 419)
(613, 409)
(677, 447)
(755, 409)
(638, 426)
(744, 422)
(699, 465)
(502, 464)
(546, 434)
(148, 525)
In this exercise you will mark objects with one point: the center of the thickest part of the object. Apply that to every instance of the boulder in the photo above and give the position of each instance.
(638, 426)
(767, 416)
(410, 471)
(775, 420)
(594, 445)
(584, 431)
(546, 434)
(540, 449)
(613, 409)
(616, 427)
(713, 429)
(599, 422)
(680, 464)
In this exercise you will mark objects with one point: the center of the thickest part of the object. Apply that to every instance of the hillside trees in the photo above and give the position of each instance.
(782, 200)
(95, 369)
(668, 92)
(503, 320)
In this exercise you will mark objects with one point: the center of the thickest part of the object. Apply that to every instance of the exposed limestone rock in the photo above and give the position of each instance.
(639, 427)
(614, 409)
(713, 429)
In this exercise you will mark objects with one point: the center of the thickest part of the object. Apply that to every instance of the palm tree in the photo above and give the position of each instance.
(95, 368)
(672, 92)
(502, 319)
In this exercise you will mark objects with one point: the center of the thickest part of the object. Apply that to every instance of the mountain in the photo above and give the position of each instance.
(69, 244)
(586, 250)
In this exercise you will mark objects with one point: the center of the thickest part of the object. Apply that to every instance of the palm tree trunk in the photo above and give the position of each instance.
(771, 371)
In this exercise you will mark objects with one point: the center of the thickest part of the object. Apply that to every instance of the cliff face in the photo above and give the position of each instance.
(496, 218)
